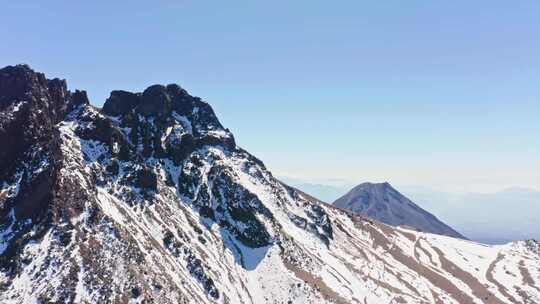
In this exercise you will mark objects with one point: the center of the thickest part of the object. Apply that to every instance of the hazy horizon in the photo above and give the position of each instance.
(347, 184)
(442, 95)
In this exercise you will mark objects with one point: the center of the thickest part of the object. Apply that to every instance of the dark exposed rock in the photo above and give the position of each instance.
(30, 133)
(155, 101)
(113, 167)
(104, 131)
(135, 292)
(30, 107)
(121, 103)
(79, 98)
(237, 206)
(168, 239)
(34, 197)
(181, 101)
(41, 104)
(20, 83)
(179, 150)
(146, 179)
(196, 269)
(149, 114)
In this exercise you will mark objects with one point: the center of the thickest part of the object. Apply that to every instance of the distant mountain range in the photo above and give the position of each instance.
(327, 191)
(382, 202)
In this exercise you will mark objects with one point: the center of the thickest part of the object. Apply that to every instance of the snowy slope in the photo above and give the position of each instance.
(149, 200)
(382, 202)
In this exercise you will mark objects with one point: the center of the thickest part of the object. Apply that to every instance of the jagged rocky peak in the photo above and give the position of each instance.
(20, 83)
(162, 101)
(30, 106)
(161, 122)
(155, 100)
(167, 120)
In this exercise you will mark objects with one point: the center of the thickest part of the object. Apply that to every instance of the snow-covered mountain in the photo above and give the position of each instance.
(384, 203)
(149, 200)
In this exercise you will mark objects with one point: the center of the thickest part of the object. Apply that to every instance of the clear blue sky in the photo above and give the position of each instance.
(436, 93)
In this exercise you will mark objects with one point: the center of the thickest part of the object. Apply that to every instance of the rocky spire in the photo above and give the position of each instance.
(20, 83)
(30, 105)
(160, 101)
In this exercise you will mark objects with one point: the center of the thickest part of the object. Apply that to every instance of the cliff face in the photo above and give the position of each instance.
(30, 108)
(149, 200)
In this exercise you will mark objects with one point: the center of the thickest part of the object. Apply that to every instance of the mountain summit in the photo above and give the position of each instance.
(383, 202)
(150, 200)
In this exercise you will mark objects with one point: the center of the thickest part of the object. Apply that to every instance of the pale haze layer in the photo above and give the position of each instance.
(440, 94)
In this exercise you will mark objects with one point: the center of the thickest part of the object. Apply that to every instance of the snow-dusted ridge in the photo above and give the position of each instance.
(150, 201)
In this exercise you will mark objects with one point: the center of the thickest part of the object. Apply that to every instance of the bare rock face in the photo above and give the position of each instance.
(146, 179)
(31, 106)
(155, 101)
(149, 200)
(121, 103)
